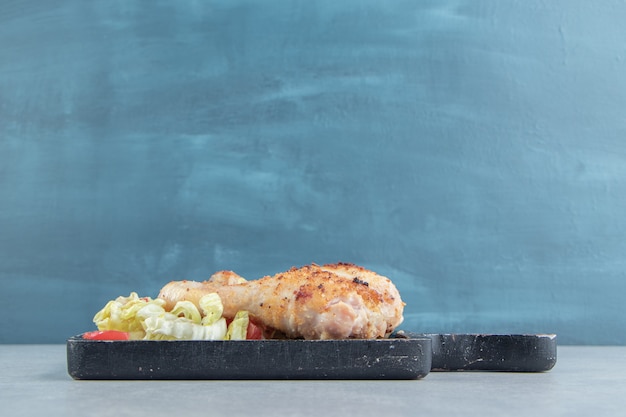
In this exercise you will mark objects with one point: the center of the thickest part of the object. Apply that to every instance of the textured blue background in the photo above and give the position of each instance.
(472, 151)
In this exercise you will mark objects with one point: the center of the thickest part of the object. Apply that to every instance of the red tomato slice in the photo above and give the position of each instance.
(106, 335)
(254, 332)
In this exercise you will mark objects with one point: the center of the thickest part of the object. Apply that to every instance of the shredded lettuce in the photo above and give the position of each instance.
(121, 314)
(212, 308)
(238, 328)
(188, 310)
(169, 327)
(146, 318)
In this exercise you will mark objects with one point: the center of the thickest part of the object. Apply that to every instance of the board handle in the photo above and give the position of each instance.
(492, 352)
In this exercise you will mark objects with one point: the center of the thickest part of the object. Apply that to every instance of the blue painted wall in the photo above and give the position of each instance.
(472, 151)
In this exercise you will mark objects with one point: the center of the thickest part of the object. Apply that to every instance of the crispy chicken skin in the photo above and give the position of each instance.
(334, 301)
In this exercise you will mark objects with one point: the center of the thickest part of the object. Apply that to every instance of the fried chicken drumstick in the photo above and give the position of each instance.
(334, 301)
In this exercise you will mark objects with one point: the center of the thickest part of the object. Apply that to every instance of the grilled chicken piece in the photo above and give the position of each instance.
(334, 301)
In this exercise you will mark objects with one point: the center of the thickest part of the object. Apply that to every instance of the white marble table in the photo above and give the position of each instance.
(586, 381)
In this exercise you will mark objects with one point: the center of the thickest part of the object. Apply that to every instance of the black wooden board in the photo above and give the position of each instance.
(493, 352)
(392, 358)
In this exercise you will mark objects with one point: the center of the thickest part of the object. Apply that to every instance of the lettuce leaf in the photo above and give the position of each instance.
(238, 328)
(212, 308)
(121, 314)
(146, 318)
(169, 327)
(188, 310)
